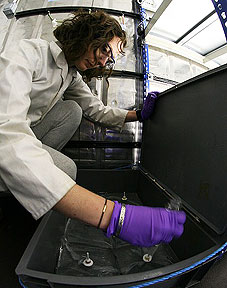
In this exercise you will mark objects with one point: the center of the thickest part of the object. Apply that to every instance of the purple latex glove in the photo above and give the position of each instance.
(146, 226)
(148, 106)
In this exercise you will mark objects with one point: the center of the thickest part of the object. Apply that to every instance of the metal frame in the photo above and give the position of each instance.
(165, 80)
(68, 9)
(194, 27)
(157, 15)
(215, 53)
(127, 74)
(102, 144)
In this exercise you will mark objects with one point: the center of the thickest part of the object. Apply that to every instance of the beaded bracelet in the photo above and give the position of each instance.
(103, 211)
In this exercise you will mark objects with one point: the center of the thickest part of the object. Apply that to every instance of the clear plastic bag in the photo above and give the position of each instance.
(110, 256)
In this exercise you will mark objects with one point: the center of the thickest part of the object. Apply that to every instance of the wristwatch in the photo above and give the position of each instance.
(139, 116)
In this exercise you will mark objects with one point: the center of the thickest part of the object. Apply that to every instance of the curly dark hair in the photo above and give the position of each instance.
(88, 29)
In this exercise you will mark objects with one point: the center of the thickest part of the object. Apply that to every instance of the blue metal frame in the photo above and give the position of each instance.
(221, 9)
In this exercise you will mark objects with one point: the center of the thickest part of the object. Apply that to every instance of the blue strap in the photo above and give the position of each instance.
(145, 55)
(22, 285)
(221, 9)
(216, 253)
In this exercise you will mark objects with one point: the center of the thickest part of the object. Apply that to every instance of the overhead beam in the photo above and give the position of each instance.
(70, 9)
(157, 15)
(216, 53)
(195, 26)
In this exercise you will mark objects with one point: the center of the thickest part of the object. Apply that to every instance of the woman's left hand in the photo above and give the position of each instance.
(148, 106)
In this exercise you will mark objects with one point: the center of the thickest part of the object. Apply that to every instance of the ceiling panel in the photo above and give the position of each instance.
(207, 39)
(180, 16)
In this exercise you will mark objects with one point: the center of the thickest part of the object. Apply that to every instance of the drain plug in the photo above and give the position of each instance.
(87, 261)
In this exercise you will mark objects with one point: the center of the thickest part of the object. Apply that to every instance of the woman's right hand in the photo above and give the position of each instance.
(145, 226)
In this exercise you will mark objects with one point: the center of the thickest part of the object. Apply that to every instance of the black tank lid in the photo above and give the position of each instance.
(185, 145)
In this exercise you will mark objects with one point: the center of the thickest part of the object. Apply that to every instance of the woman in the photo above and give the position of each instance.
(43, 96)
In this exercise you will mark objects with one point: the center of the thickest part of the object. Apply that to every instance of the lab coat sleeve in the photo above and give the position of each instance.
(93, 108)
(26, 168)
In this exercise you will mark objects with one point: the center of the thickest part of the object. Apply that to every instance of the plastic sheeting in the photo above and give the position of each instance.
(125, 5)
(121, 93)
(110, 256)
(171, 66)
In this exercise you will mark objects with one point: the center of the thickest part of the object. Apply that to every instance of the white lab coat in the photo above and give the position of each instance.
(34, 75)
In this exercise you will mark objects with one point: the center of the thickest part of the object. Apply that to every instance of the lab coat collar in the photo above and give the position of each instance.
(58, 54)
(59, 57)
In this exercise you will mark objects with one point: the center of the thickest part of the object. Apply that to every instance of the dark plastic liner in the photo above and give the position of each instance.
(110, 256)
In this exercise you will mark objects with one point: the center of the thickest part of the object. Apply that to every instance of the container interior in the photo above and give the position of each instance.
(63, 243)
(86, 251)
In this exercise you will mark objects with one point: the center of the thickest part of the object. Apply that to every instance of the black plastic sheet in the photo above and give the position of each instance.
(110, 256)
